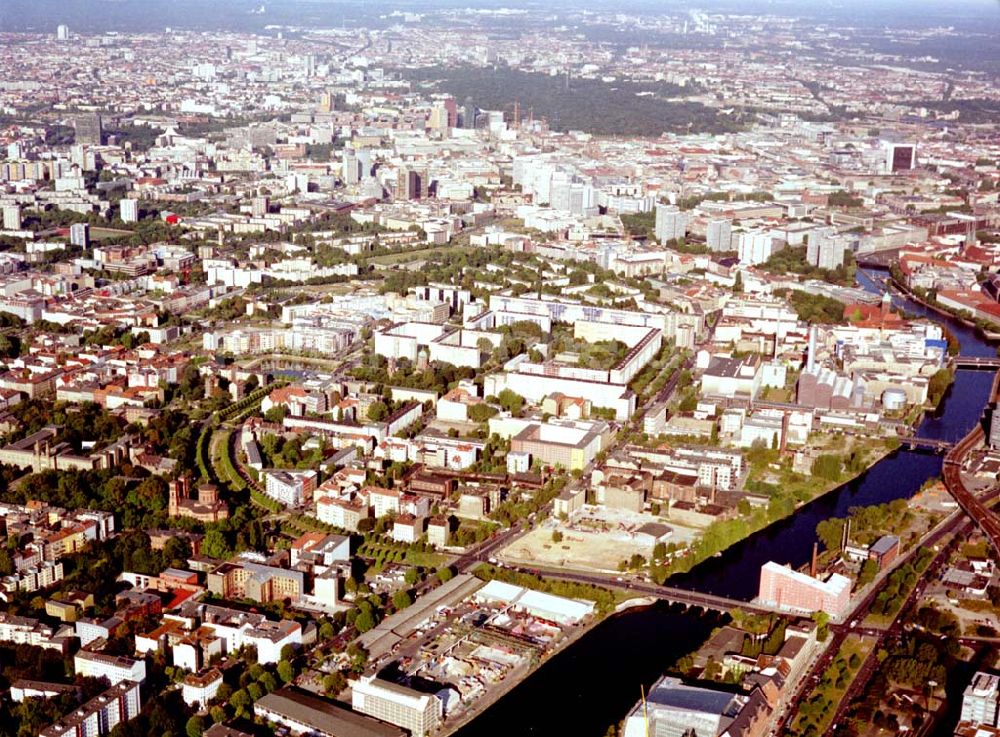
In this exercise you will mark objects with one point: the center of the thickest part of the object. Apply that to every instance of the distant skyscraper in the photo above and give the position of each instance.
(352, 168)
(438, 119)
(79, 234)
(11, 217)
(409, 184)
(326, 102)
(719, 235)
(469, 113)
(259, 207)
(452, 107)
(62, 32)
(899, 156)
(671, 223)
(89, 129)
(129, 210)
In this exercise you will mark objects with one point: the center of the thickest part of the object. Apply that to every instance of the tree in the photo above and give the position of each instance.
(285, 671)
(869, 570)
(195, 726)
(215, 545)
(557, 536)
(481, 412)
(240, 700)
(378, 411)
(828, 466)
(511, 401)
(401, 599)
(334, 683)
(364, 621)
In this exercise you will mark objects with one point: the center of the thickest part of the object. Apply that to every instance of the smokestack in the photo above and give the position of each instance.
(815, 560)
(846, 537)
(811, 357)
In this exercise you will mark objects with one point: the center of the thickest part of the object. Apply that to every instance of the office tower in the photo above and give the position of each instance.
(11, 217)
(259, 207)
(719, 235)
(365, 163)
(452, 107)
(981, 700)
(326, 102)
(62, 32)
(79, 234)
(89, 129)
(438, 119)
(469, 113)
(899, 156)
(352, 167)
(409, 184)
(129, 211)
(671, 223)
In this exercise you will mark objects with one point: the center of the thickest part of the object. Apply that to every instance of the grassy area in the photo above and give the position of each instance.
(415, 254)
(817, 710)
(103, 234)
(426, 559)
(223, 463)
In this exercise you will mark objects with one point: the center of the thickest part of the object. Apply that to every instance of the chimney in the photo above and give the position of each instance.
(815, 560)
(846, 537)
(811, 357)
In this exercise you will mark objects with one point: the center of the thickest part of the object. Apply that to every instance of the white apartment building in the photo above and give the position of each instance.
(981, 700)
(115, 668)
(28, 631)
(289, 487)
(100, 715)
(671, 223)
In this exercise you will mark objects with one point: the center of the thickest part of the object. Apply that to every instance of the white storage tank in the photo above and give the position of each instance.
(893, 399)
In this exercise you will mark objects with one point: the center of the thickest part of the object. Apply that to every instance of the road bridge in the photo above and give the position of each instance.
(669, 594)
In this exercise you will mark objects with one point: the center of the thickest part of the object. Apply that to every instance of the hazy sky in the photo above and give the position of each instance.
(146, 15)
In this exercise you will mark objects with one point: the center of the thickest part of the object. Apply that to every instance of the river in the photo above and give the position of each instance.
(596, 681)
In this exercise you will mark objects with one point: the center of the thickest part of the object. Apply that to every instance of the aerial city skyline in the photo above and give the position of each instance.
(489, 368)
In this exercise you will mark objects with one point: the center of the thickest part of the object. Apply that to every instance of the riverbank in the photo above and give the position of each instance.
(521, 674)
(985, 335)
(516, 678)
(755, 525)
(637, 645)
(598, 678)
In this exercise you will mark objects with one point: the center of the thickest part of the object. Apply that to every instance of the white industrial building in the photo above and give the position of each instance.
(417, 712)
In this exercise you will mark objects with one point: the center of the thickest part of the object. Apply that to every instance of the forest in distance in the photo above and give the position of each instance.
(578, 103)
